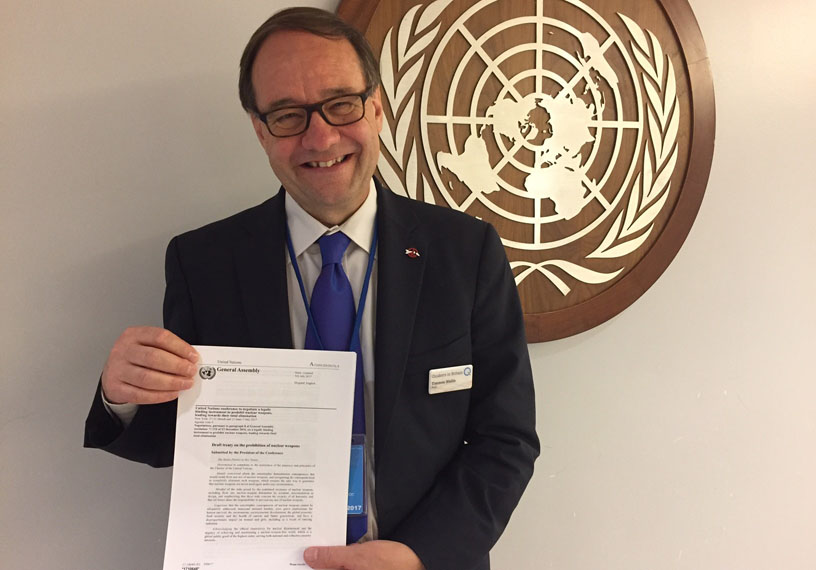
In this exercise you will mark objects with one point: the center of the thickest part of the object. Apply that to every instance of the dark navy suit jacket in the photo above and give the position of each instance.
(449, 468)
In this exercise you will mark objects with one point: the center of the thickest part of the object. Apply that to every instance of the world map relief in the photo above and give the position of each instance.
(559, 172)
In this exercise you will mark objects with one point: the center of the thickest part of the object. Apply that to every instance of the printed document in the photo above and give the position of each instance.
(261, 459)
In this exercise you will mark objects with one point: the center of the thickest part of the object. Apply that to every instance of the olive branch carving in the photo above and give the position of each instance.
(400, 70)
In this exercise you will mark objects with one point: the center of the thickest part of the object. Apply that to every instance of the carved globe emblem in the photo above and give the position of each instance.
(549, 124)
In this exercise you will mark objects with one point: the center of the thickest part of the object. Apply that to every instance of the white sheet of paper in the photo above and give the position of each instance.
(261, 458)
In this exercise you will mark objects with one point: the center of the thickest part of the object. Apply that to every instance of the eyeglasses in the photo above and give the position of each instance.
(336, 111)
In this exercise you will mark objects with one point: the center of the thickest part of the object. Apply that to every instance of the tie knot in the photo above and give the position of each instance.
(332, 247)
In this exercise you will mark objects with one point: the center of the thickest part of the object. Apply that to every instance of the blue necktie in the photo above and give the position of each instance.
(332, 303)
(332, 308)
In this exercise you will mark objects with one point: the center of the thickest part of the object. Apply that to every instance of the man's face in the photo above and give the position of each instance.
(296, 68)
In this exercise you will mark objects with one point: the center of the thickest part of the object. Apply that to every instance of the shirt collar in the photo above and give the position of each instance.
(305, 230)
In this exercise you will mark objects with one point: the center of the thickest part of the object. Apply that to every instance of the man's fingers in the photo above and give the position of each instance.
(135, 395)
(373, 555)
(163, 339)
(160, 360)
(147, 379)
(330, 557)
(137, 385)
(148, 365)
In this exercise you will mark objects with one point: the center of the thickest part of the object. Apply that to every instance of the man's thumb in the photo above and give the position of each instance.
(325, 556)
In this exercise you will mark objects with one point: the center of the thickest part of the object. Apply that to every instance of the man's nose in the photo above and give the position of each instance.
(320, 135)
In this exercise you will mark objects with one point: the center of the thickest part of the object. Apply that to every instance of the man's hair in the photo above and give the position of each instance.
(313, 21)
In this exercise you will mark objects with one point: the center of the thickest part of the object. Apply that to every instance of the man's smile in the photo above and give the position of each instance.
(327, 164)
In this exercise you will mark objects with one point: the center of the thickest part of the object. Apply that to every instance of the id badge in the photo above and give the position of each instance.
(357, 505)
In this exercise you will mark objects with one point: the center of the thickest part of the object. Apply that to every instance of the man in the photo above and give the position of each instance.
(448, 468)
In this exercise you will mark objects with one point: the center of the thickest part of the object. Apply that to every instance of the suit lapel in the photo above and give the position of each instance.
(399, 281)
(261, 269)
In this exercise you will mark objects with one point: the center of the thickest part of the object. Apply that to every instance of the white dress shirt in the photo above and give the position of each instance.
(305, 231)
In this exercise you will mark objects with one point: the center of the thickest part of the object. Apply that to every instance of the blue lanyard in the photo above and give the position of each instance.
(358, 320)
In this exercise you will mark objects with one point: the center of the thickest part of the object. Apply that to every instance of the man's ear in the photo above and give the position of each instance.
(260, 128)
(376, 101)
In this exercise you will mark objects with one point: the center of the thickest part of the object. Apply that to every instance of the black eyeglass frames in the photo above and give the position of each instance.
(336, 111)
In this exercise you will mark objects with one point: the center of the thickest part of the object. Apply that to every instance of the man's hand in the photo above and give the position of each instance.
(148, 365)
(374, 555)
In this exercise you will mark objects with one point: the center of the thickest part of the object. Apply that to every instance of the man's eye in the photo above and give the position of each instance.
(287, 118)
(342, 107)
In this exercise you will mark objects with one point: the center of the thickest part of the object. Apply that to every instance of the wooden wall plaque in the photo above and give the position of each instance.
(583, 131)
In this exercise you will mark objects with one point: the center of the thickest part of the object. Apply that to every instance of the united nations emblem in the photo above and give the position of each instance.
(206, 372)
(570, 126)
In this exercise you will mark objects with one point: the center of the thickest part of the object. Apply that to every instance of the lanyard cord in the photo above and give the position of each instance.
(355, 337)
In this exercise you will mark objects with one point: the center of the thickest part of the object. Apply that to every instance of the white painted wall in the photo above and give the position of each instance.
(682, 434)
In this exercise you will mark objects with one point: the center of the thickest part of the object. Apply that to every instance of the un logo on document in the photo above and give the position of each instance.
(206, 372)
(565, 124)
